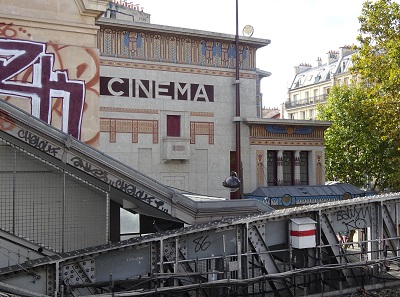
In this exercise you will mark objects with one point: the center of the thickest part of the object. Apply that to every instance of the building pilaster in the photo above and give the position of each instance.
(279, 171)
(297, 167)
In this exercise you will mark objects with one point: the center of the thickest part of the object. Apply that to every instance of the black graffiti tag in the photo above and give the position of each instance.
(38, 143)
(87, 167)
(201, 243)
(353, 217)
(132, 190)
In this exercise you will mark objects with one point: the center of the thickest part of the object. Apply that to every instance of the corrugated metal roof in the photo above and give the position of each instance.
(307, 191)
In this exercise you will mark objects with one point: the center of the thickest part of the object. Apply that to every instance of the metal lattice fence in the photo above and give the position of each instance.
(48, 204)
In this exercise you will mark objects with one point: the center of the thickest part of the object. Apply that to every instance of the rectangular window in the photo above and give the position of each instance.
(316, 95)
(272, 168)
(304, 168)
(173, 125)
(288, 168)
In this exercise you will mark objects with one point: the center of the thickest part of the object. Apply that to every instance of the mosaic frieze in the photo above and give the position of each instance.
(287, 132)
(174, 49)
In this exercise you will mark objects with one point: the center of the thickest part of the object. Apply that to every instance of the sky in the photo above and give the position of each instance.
(300, 31)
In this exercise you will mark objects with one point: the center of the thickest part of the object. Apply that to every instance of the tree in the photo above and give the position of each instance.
(354, 152)
(364, 140)
(377, 63)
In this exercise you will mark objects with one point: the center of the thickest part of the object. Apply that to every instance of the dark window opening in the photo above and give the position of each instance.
(173, 125)
(288, 164)
(288, 168)
(304, 168)
(272, 168)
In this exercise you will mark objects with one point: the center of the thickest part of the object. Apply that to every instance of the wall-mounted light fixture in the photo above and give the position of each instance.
(232, 182)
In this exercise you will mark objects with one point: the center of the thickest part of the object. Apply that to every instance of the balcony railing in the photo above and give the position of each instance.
(306, 101)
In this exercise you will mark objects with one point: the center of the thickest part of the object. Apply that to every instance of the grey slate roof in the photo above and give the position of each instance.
(309, 75)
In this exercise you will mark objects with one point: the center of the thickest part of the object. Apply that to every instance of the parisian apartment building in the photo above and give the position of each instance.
(311, 85)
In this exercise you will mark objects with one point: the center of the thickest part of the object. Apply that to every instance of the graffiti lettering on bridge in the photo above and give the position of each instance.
(132, 190)
(201, 243)
(120, 184)
(38, 143)
(27, 58)
(354, 217)
(87, 167)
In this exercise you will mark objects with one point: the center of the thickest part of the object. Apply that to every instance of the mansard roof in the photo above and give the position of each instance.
(336, 65)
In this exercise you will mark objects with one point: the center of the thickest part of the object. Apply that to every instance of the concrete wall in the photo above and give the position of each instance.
(207, 162)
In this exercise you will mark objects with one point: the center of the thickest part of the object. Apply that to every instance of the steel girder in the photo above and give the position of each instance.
(248, 255)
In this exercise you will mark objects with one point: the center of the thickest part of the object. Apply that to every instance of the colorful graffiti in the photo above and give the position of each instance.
(19, 56)
(57, 83)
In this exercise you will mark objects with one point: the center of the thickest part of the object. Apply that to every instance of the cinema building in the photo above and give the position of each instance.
(168, 109)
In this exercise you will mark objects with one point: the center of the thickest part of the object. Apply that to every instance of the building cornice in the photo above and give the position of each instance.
(92, 8)
(172, 67)
(108, 22)
(56, 25)
(261, 121)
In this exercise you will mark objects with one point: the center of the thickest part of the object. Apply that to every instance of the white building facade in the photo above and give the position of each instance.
(311, 85)
(168, 109)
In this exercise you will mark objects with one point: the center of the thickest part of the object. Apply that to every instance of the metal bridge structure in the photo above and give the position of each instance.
(56, 198)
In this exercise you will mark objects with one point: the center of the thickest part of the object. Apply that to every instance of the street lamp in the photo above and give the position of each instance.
(238, 120)
(232, 182)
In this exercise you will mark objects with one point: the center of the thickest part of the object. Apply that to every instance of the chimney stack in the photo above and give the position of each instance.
(301, 68)
(345, 50)
(333, 56)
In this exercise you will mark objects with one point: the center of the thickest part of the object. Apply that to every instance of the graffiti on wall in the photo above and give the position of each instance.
(19, 56)
(56, 83)
(351, 218)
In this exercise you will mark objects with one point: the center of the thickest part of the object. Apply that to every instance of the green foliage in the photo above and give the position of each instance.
(364, 139)
(355, 149)
(377, 63)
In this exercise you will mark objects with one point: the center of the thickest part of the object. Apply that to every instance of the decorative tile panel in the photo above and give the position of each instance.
(135, 127)
(171, 48)
(201, 128)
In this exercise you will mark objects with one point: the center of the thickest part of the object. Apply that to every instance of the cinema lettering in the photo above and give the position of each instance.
(142, 88)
